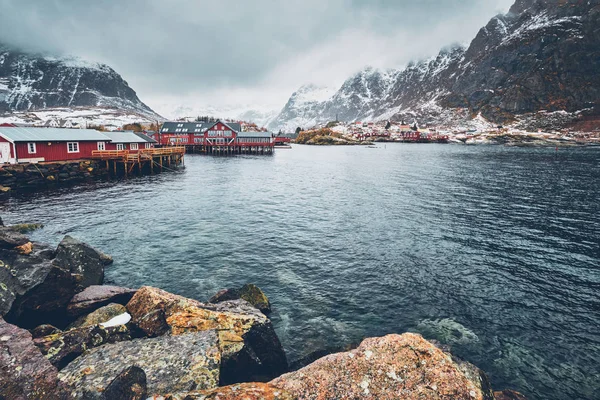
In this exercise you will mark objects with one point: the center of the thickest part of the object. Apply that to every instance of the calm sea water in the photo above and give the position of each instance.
(493, 250)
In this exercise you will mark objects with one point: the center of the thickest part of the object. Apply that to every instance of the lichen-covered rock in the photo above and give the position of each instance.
(128, 385)
(61, 348)
(103, 314)
(249, 292)
(44, 330)
(9, 239)
(96, 296)
(24, 372)
(85, 263)
(172, 364)
(392, 367)
(26, 228)
(243, 391)
(251, 350)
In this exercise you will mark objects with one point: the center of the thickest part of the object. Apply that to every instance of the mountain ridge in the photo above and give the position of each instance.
(541, 56)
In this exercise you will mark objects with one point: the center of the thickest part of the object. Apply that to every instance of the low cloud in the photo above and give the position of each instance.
(257, 52)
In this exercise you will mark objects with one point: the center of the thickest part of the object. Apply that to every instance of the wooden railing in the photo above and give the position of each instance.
(136, 155)
(109, 154)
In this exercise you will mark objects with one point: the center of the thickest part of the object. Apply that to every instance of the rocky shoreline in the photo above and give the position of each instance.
(65, 335)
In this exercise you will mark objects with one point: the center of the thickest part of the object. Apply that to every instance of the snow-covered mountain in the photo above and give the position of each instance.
(304, 108)
(31, 82)
(258, 114)
(541, 56)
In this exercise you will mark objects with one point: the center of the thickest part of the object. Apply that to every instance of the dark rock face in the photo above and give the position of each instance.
(97, 296)
(172, 364)
(542, 55)
(249, 292)
(36, 290)
(61, 348)
(85, 263)
(128, 385)
(509, 395)
(37, 82)
(24, 372)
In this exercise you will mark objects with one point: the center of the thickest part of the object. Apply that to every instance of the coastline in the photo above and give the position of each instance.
(228, 340)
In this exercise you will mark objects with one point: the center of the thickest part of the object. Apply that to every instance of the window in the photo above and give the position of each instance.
(148, 145)
(165, 129)
(101, 146)
(179, 125)
(73, 147)
(120, 146)
(31, 148)
(133, 146)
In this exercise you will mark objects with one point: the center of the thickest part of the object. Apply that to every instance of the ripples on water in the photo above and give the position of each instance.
(493, 250)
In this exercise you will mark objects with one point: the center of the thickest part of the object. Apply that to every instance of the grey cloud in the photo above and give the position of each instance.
(188, 47)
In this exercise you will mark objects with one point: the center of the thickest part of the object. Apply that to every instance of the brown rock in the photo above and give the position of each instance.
(97, 296)
(509, 395)
(25, 249)
(103, 314)
(249, 292)
(243, 391)
(44, 330)
(24, 372)
(392, 367)
(61, 348)
(128, 385)
(250, 348)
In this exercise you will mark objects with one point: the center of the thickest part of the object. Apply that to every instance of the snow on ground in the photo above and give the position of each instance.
(83, 116)
(116, 321)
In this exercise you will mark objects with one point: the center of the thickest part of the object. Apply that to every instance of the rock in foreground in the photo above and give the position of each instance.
(24, 372)
(392, 367)
(250, 348)
(172, 364)
(249, 292)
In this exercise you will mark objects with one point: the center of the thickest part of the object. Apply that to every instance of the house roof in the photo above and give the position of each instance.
(190, 127)
(52, 135)
(254, 134)
(146, 138)
(125, 137)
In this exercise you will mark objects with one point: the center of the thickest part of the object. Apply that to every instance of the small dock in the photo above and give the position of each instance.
(149, 160)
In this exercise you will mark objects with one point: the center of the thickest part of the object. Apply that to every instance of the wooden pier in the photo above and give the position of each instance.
(150, 160)
(232, 149)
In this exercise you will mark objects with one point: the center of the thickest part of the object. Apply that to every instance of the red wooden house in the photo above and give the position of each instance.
(22, 145)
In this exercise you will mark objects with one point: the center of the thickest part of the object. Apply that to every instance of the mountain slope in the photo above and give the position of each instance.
(33, 82)
(542, 55)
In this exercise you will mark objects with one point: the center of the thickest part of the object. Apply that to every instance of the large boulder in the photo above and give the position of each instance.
(35, 287)
(61, 348)
(172, 364)
(395, 366)
(242, 391)
(103, 314)
(249, 292)
(96, 296)
(250, 347)
(85, 263)
(24, 372)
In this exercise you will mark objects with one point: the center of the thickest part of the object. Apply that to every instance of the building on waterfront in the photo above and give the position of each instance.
(214, 137)
(31, 145)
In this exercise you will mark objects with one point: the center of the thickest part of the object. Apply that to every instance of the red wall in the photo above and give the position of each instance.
(56, 151)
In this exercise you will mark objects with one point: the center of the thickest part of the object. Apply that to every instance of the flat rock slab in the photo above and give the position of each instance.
(97, 296)
(172, 364)
(392, 367)
(24, 372)
(242, 391)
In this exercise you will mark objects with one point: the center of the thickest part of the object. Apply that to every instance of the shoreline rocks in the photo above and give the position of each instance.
(122, 344)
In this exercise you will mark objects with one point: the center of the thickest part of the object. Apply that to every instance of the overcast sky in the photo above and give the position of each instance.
(238, 52)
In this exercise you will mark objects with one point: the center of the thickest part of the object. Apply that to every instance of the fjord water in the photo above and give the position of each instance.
(492, 250)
